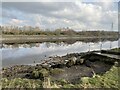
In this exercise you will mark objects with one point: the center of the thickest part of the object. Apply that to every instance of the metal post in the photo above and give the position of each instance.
(89, 47)
(111, 30)
(101, 46)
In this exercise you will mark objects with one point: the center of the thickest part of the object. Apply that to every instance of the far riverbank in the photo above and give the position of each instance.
(43, 38)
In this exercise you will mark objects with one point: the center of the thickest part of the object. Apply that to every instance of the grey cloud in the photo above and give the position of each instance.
(55, 10)
(43, 8)
(36, 7)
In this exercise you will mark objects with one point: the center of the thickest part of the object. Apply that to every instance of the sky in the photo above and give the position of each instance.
(52, 14)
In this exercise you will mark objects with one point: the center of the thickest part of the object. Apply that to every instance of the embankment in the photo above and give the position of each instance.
(44, 38)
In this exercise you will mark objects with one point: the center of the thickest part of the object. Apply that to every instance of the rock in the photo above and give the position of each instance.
(65, 61)
(79, 60)
(70, 63)
(57, 65)
(46, 66)
(116, 63)
(74, 59)
(41, 74)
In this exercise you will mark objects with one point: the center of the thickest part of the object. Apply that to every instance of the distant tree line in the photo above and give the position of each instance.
(28, 30)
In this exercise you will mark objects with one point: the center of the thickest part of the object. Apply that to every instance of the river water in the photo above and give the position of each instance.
(36, 52)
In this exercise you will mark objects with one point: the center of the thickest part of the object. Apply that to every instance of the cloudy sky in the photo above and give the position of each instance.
(76, 15)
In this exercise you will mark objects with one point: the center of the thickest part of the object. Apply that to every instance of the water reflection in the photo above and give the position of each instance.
(28, 53)
(59, 42)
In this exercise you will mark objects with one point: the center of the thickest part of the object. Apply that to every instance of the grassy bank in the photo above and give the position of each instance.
(116, 49)
(26, 76)
(108, 80)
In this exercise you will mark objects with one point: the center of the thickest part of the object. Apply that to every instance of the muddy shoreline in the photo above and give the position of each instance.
(69, 67)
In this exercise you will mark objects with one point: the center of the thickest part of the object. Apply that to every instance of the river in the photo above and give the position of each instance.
(36, 52)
